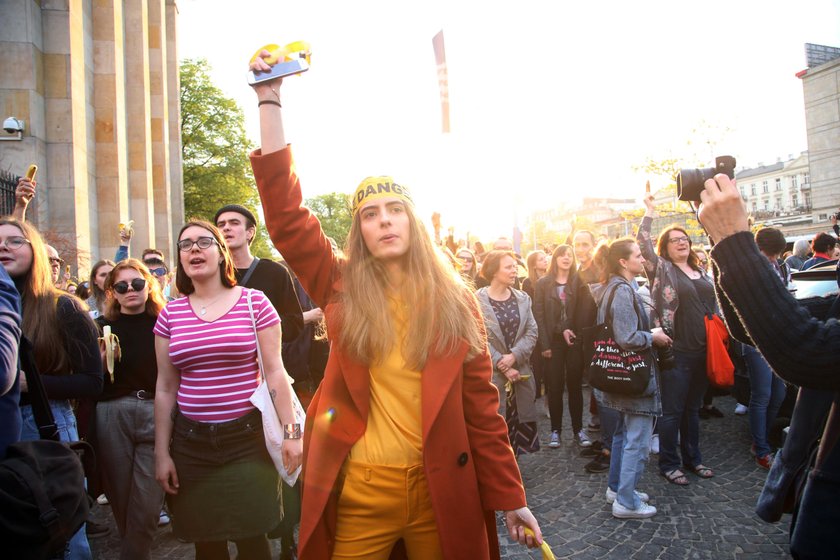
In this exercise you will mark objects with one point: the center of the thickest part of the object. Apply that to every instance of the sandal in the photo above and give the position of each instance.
(676, 476)
(702, 471)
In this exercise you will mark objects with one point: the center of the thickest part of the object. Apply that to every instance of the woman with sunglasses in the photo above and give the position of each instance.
(63, 337)
(469, 265)
(125, 433)
(210, 453)
(682, 294)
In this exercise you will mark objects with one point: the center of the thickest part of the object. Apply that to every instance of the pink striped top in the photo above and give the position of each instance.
(217, 359)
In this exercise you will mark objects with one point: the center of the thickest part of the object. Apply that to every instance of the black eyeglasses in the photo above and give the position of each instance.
(15, 242)
(186, 245)
(681, 239)
(137, 284)
(55, 261)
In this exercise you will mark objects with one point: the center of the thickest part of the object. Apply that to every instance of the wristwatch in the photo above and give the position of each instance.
(291, 431)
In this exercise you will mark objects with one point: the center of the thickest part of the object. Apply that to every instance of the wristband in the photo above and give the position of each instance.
(291, 431)
(268, 102)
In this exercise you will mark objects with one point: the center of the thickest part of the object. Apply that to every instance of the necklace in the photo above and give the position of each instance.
(203, 310)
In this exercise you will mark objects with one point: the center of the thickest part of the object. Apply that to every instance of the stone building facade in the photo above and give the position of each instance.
(821, 91)
(95, 83)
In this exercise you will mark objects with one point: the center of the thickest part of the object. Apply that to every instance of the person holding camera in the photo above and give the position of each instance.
(620, 262)
(798, 347)
(682, 293)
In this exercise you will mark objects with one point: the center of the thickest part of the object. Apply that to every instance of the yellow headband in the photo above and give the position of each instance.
(374, 188)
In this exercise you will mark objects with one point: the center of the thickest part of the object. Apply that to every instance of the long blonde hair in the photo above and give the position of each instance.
(444, 310)
(39, 298)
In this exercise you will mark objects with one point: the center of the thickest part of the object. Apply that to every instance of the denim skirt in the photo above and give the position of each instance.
(229, 488)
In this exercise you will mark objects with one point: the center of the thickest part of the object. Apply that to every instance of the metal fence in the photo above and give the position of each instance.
(8, 183)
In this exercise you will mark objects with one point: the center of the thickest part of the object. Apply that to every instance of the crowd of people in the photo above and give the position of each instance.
(440, 360)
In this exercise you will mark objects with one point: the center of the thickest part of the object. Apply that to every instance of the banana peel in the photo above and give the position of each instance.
(546, 550)
(112, 349)
(296, 49)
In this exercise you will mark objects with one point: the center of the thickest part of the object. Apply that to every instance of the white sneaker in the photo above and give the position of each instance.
(654, 444)
(610, 495)
(164, 518)
(644, 511)
(740, 409)
(555, 439)
(583, 439)
(102, 500)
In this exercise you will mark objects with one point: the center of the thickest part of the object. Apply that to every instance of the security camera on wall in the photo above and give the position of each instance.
(13, 125)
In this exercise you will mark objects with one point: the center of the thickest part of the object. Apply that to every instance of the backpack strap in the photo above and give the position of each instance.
(41, 410)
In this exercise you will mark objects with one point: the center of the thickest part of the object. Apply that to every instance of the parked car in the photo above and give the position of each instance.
(818, 281)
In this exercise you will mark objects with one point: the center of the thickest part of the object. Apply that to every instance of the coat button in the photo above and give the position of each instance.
(462, 459)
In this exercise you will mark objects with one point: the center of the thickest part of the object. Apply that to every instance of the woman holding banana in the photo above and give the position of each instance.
(125, 433)
(404, 445)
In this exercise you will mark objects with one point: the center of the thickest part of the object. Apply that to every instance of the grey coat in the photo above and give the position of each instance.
(526, 340)
(632, 332)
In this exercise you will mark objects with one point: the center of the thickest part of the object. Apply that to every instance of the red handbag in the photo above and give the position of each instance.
(719, 367)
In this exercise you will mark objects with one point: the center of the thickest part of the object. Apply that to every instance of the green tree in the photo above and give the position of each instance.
(215, 151)
(333, 211)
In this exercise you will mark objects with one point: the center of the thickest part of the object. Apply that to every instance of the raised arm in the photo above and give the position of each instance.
(645, 240)
(294, 230)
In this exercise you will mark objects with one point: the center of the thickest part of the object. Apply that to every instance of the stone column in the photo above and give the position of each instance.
(109, 110)
(176, 170)
(159, 91)
(138, 119)
(22, 93)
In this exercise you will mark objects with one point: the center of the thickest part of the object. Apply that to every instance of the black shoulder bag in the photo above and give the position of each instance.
(43, 501)
(612, 369)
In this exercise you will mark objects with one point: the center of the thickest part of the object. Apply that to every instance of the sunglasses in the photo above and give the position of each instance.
(55, 261)
(158, 271)
(137, 285)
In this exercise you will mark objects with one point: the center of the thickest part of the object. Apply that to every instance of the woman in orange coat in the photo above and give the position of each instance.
(403, 443)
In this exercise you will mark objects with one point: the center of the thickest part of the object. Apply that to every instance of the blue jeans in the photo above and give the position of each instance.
(682, 392)
(78, 547)
(609, 424)
(767, 391)
(630, 448)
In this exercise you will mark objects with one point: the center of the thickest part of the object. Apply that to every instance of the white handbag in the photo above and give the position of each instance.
(272, 427)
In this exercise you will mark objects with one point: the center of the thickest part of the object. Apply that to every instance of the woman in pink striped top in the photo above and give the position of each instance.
(210, 454)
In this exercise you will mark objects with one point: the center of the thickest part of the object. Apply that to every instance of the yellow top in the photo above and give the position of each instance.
(394, 433)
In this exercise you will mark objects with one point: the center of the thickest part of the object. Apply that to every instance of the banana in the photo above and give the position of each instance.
(546, 550)
(284, 54)
(112, 349)
(128, 226)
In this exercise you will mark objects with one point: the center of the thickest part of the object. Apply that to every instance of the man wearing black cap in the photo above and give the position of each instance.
(239, 226)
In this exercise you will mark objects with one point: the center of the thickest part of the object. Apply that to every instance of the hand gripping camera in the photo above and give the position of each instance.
(690, 181)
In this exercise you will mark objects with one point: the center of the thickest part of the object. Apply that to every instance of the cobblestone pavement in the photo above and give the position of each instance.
(711, 518)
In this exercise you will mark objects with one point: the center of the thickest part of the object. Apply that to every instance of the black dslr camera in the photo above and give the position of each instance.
(690, 181)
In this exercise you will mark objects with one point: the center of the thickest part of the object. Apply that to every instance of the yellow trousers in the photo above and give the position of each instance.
(380, 505)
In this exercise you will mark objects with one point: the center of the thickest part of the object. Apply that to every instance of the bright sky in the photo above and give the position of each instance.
(550, 101)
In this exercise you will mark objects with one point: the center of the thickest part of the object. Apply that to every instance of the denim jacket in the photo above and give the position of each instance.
(632, 332)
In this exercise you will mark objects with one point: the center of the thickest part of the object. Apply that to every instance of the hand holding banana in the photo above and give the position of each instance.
(111, 344)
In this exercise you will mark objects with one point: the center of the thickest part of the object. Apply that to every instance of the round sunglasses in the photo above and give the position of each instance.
(137, 284)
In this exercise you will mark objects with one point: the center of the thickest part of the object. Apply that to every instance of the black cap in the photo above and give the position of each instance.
(235, 208)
